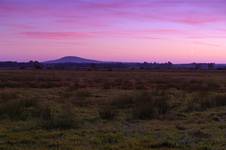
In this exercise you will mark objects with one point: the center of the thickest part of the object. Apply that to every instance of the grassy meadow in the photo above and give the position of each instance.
(112, 110)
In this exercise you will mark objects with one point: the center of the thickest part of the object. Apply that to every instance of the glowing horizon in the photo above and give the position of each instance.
(180, 31)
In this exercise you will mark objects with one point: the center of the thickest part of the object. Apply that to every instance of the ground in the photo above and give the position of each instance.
(112, 110)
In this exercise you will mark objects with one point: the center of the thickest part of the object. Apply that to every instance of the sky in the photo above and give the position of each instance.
(180, 31)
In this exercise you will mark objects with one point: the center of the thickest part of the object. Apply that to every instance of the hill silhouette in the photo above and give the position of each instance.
(71, 59)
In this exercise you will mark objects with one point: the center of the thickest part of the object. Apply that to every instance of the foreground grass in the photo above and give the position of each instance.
(112, 110)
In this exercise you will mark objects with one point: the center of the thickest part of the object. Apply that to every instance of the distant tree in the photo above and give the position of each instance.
(211, 66)
(93, 66)
(198, 66)
(36, 65)
(170, 63)
(141, 68)
(109, 69)
(22, 67)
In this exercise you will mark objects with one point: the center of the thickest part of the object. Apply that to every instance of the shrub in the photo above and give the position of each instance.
(128, 84)
(109, 138)
(83, 93)
(123, 101)
(197, 102)
(78, 98)
(106, 85)
(212, 85)
(148, 105)
(6, 95)
(220, 100)
(57, 117)
(203, 101)
(107, 113)
(21, 109)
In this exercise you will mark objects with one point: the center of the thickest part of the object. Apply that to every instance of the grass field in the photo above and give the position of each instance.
(127, 110)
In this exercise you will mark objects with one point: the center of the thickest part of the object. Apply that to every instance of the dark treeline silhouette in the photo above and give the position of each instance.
(109, 66)
(24, 65)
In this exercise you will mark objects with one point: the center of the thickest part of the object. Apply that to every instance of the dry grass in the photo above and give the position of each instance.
(112, 110)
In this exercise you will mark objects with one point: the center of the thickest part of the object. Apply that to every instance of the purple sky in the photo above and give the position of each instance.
(117, 30)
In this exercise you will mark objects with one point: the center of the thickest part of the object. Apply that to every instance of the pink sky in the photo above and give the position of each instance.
(180, 31)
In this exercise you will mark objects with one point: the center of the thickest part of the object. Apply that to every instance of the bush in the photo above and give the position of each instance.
(57, 117)
(149, 106)
(51, 116)
(198, 102)
(6, 95)
(83, 93)
(19, 109)
(220, 100)
(203, 101)
(107, 113)
(123, 101)
(78, 98)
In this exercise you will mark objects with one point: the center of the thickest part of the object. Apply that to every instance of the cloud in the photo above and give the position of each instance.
(159, 33)
(183, 11)
(110, 18)
(56, 35)
(206, 44)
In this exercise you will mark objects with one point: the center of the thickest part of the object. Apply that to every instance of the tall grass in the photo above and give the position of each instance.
(107, 113)
(19, 109)
(144, 105)
(149, 105)
(55, 116)
(51, 116)
(204, 101)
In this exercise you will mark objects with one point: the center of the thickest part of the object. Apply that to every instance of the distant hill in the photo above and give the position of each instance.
(72, 59)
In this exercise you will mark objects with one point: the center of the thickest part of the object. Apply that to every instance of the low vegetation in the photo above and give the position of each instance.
(55, 116)
(112, 110)
(150, 105)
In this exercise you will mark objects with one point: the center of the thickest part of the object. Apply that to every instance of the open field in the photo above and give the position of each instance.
(128, 110)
